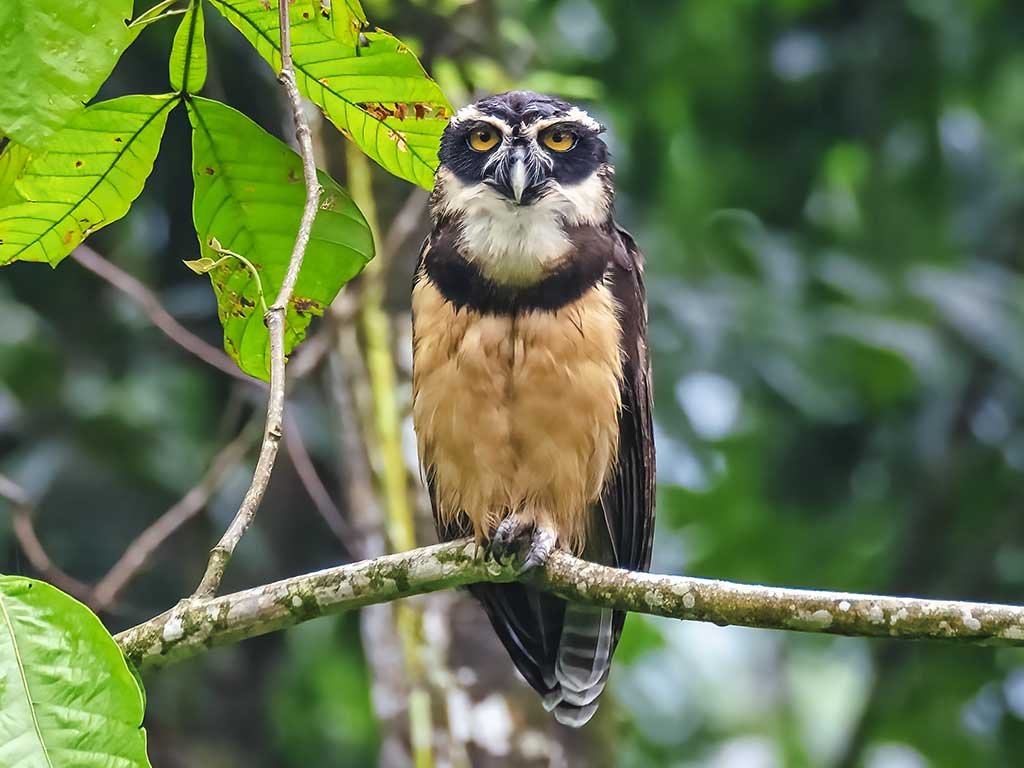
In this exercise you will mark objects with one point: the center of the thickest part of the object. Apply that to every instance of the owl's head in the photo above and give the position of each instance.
(525, 146)
(520, 173)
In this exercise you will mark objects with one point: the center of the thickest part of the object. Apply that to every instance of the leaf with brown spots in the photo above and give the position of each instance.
(343, 20)
(365, 90)
(84, 181)
(305, 306)
(251, 209)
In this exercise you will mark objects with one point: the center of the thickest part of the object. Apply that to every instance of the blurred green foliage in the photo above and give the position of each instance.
(831, 199)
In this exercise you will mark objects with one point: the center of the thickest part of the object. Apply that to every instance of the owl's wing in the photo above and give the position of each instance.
(628, 498)
(589, 635)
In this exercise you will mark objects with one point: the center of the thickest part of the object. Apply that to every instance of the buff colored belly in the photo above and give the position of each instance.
(517, 413)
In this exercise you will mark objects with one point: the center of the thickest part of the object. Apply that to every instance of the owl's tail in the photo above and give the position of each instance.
(582, 665)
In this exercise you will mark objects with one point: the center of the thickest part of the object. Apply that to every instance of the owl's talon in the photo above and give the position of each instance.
(542, 543)
(508, 539)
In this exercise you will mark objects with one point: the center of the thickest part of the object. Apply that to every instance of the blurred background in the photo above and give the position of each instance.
(831, 199)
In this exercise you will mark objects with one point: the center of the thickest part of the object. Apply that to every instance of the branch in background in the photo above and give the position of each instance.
(381, 646)
(314, 486)
(159, 316)
(25, 532)
(193, 626)
(135, 557)
(221, 554)
(404, 225)
(380, 365)
(303, 362)
(347, 373)
(391, 472)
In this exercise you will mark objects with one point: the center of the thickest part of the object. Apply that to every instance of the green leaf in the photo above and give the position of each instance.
(67, 695)
(55, 57)
(188, 55)
(345, 19)
(95, 168)
(378, 94)
(249, 194)
(13, 160)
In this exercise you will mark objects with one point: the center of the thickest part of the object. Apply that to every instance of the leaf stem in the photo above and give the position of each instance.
(229, 254)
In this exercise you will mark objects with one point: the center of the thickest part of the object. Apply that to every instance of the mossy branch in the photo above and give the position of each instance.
(195, 625)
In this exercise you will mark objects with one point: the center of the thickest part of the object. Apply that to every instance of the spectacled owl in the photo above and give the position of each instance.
(532, 390)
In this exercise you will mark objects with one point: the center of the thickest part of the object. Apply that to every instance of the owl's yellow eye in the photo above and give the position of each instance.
(483, 138)
(558, 139)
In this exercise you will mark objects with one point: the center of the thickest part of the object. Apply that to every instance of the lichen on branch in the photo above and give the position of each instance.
(197, 624)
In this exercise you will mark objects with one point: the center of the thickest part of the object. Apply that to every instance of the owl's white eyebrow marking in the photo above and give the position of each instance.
(471, 114)
(574, 115)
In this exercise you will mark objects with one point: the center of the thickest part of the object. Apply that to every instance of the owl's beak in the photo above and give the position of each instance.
(518, 176)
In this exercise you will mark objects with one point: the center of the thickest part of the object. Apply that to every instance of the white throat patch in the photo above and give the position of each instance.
(519, 244)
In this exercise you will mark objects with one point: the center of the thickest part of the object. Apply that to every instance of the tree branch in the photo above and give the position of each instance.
(138, 553)
(155, 311)
(392, 475)
(221, 554)
(315, 489)
(22, 510)
(193, 626)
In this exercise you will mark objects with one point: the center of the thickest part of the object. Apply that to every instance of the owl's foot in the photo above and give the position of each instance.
(509, 538)
(542, 542)
(516, 538)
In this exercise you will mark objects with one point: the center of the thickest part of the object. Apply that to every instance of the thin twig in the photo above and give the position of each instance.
(347, 373)
(155, 311)
(221, 554)
(304, 361)
(138, 553)
(310, 479)
(25, 532)
(192, 627)
(405, 223)
(14, 493)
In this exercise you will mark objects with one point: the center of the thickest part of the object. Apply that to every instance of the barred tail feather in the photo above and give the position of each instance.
(584, 658)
